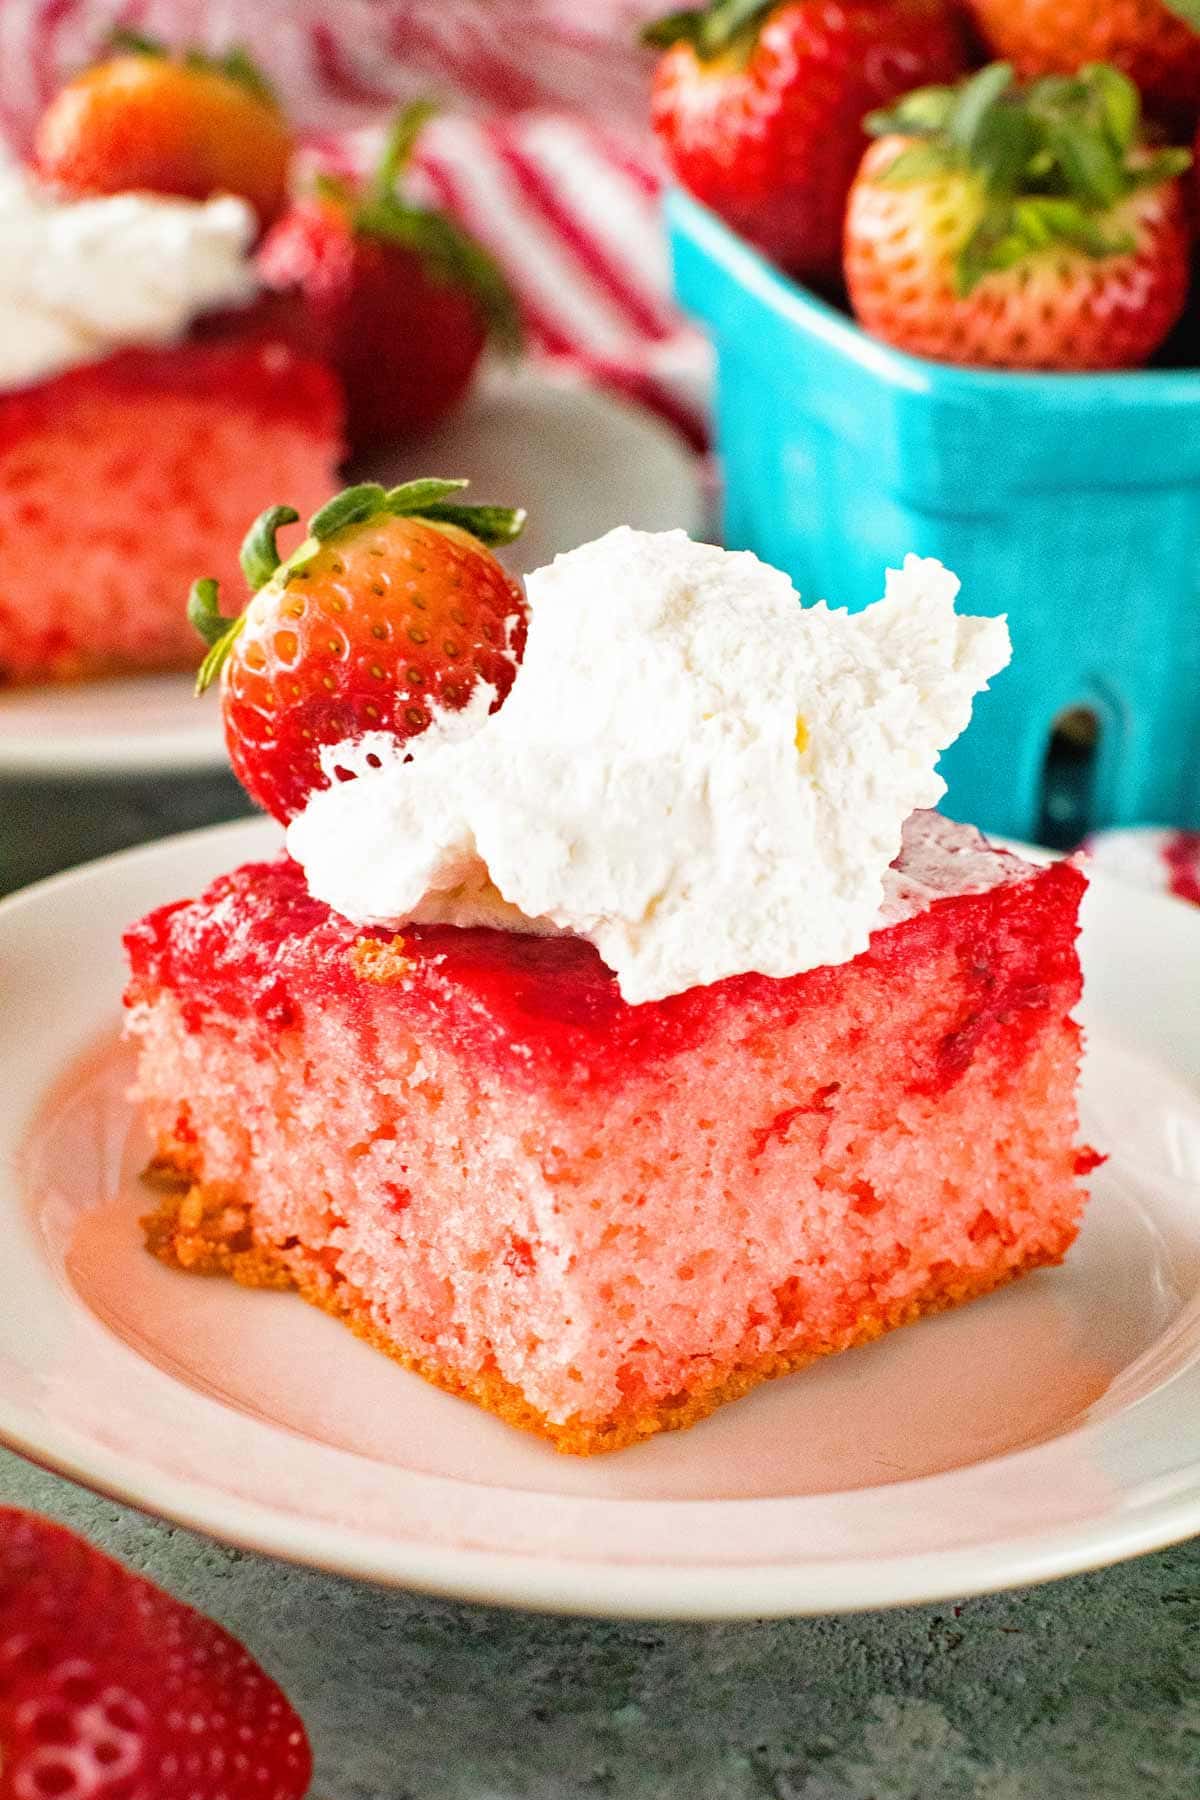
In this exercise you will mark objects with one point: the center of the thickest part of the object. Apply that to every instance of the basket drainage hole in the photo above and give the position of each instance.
(1069, 778)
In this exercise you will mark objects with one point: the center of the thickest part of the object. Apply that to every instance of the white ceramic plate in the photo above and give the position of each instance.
(585, 462)
(1051, 1428)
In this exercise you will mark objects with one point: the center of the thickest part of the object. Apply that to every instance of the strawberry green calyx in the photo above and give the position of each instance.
(236, 62)
(425, 499)
(710, 30)
(428, 498)
(381, 211)
(1053, 160)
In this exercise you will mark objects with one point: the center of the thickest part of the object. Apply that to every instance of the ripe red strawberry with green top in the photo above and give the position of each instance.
(1155, 42)
(1022, 229)
(191, 125)
(112, 1690)
(393, 608)
(395, 297)
(759, 107)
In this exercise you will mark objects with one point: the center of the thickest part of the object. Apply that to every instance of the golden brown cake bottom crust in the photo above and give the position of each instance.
(207, 1230)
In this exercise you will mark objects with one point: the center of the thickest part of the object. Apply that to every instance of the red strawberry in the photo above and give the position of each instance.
(1026, 230)
(112, 1690)
(195, 126)
(759, 107)
(396, 298)
(1156, 44)
(391, 607)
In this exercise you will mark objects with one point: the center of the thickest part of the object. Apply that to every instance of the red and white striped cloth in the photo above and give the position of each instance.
(543, 154)
(566, 200)
(338, 63)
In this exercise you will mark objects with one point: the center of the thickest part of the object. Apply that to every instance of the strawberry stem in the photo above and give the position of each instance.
(398, 147)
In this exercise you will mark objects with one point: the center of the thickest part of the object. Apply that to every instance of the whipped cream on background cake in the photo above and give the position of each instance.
(82, 278)
(692, 770)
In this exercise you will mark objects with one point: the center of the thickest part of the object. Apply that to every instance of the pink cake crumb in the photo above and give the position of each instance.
(599, 1220)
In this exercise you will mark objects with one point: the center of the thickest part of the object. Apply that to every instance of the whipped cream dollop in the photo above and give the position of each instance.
(692, 770)
(81, 278)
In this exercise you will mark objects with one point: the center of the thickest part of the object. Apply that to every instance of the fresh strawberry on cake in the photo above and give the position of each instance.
(620, 1028)
(147, 409)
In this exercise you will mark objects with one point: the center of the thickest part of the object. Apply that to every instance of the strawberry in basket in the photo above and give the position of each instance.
(759, 108)
(1028, 228)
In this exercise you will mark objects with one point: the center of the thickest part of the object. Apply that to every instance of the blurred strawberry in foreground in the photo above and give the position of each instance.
(191, 126)
(1025, 229)
(395, 297)
(392, 610)
(112, 1690)
(1155, 42)
(759, 108)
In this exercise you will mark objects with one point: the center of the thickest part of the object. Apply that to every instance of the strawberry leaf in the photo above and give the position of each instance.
(1009, 232)
(236, 62)
(417, 496)
(259, 555)
(974, 114)
(204, 610)
(490, 524)
(1119, 103)
(1164, 165)
(923, 113)
(241, 67)
(125, 42)
(919, 162)
(710, 30)
(350, 507)
(427, 498)
(1090, 167)
(218, 632)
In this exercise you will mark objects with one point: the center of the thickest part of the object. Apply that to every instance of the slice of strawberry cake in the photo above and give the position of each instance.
(603, 1052)
(117, 480)
(149, 409)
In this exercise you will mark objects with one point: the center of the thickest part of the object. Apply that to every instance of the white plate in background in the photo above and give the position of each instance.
(579, 460)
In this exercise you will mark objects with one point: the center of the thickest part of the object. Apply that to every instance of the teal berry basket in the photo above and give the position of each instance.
(1069, 502)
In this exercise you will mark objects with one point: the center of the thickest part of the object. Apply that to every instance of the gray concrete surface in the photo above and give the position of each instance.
(1085, 1690)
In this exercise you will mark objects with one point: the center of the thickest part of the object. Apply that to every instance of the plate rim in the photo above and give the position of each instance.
(90, 755)
(548, 1582)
